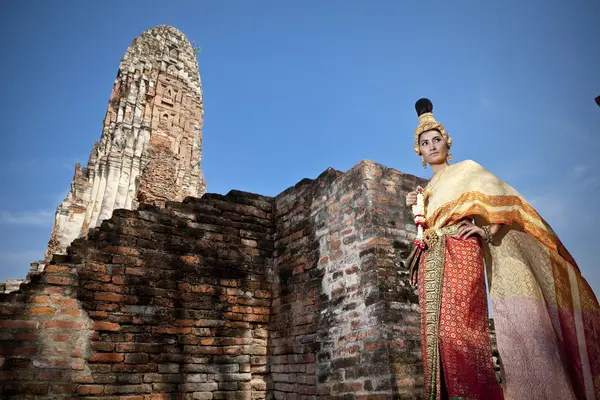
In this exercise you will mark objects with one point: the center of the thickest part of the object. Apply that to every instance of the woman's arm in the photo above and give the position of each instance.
(467, 229)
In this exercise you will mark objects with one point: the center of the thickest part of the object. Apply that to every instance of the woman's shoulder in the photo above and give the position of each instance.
(468, 164)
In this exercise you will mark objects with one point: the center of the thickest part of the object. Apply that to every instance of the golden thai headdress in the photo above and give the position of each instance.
(427, 122)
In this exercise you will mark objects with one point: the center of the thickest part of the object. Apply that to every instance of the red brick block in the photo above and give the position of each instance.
(39, 300)
(62, 389)
(18, 324)
(116, 270)
(107, 306)
(308, 390)
(71, 312)
(262, 294)
(129, 368)
(308, 358)
(38, 389)
(185, 322)
(190, 259)
(41, 310)
(164, 396)
(66, 303)
(25, 336)
(376, 345)
(77, 364)
(94, 276)
(202, 289)
(260, 310)
(90, 389)
(61, 338)
(127, 251)
(77, 352)
(52, 364)
(124, 260)
(18, 351)
(54, 290)
(228, 282)
(51, 375)
(82, 378)
(106, 358)
(64, 324)
(106, 326)
(113, 297)
(60, 269)
(135, 271)
(103, 287)
(136, 358)
(94, 267)
(172, 331)
(58, 280)
(102, 346)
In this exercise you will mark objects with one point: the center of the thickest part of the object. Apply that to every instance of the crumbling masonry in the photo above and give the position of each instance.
(226, 297)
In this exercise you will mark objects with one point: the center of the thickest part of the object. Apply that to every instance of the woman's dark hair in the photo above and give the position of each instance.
(423, 106)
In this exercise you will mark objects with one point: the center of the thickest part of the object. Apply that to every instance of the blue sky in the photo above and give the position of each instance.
(292, 88)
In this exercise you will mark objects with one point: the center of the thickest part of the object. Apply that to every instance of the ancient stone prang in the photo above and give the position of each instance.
(151, 143)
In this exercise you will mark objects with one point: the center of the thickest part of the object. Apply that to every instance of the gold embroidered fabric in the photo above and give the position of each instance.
(547, 317)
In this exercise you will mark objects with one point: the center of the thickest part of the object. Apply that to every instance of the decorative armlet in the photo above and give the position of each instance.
(488, 234)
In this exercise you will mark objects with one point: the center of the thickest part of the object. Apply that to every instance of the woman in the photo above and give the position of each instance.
(547, 318)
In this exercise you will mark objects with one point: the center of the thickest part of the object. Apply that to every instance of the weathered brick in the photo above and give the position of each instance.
(64, 324)
(61, 269)
(65, 303)
(106, 326)
(106, 357)
(41, 310)
(136, 358)
(198, 387)
(58, 280)
(90, 389)
(18, 324)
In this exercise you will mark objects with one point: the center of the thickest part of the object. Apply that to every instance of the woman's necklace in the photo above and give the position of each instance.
(433, 182)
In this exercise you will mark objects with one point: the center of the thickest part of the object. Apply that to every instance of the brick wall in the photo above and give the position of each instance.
(155, 304)
(302, 296)
(297, 288)
(345, 322)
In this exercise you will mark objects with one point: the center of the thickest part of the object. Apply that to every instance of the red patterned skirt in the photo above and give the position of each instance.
(457, 354)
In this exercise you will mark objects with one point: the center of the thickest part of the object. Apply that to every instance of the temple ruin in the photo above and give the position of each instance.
(151, 143)
(155, 290)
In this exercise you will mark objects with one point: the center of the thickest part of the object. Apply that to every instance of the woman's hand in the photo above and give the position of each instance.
(411, 199)
(466, 229)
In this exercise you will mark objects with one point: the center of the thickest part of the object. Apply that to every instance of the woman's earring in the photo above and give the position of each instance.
(423, 162)
(449, 157)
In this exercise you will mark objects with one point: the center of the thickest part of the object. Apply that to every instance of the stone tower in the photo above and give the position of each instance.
(151, 143)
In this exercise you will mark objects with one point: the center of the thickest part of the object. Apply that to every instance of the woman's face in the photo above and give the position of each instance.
(433, 147)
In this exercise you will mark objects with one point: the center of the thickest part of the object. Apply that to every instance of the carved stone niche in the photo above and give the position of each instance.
(168, 94)
(164, 119)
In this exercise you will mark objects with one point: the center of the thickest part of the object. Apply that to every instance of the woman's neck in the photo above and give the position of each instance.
(439, 167)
